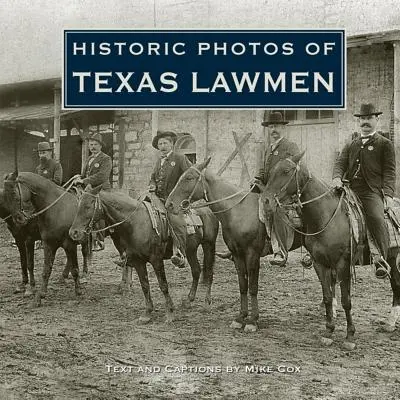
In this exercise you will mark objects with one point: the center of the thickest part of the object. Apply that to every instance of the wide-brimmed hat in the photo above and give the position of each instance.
(161, 135)
(367, 109)
(44, 146)
(275, 118)
(98, 138)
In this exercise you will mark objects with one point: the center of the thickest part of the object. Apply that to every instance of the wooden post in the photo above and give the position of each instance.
(207, 133)
(396, 109)
(57, 125)
(121, 148)
(84, 136)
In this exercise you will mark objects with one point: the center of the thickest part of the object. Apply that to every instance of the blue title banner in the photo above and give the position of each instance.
(207, 69)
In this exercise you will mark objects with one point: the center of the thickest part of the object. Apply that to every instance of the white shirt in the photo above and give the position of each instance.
(365, 139)
(164, 158)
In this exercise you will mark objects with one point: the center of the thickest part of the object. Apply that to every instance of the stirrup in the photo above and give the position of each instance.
(382, 268)
(281, 262)
(179, 260)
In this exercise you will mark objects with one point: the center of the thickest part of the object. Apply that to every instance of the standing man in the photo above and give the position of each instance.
(167, 171)
(369, 163)
(48, 168)
(280, 148)
(96, 172)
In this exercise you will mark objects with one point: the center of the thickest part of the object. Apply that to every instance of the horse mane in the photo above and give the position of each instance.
(47, 184)
(215, 179)
(118, 200)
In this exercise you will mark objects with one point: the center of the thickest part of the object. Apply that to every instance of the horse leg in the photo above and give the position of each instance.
(71, 250)
(326, 282)
(390, 326)
(239, 321)
(141, 271)
(158, 266)
(191, 254)
(49, 254)
(30, 258)
(208, 268)
(345, 289)
(24, 270)
(253, 269)
(87, 259)
(318, 271)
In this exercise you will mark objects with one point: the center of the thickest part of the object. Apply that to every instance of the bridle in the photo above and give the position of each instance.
(186, 204)
(299, 193)
(36, 214)
(98, 206)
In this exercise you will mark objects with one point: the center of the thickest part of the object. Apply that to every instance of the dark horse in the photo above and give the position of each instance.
(56, 209)
(327, 237)
(243, 232)
(143, 244)
(25, 238)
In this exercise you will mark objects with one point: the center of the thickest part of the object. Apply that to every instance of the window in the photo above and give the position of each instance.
(319, 114)
(288, 115)
(299, 117)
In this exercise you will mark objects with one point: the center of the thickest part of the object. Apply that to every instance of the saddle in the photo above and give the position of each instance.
(360, 234)
(158, 216)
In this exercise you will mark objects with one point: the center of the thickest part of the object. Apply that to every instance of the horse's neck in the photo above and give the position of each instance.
(317, 211)
(217, 190)
(116, 208)
(43, 192)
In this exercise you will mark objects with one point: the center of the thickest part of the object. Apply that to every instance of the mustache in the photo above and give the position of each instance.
(366, 124)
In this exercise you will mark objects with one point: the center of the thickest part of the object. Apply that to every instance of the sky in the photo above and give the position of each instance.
(31, 31)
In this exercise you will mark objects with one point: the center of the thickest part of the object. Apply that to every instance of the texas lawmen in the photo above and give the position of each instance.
(167, 82)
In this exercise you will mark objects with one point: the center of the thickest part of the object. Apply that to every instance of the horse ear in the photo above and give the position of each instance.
(204, 164)
(298, 157)
(12, 176)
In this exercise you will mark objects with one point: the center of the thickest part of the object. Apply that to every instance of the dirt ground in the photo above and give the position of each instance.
(94, 347)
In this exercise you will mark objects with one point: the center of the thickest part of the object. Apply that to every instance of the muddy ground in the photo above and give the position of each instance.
(93, 347)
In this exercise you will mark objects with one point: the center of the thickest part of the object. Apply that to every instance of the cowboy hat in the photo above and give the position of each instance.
(44, 146)
(161, 135)
(274, 118)
(98, 138)
(367, 109)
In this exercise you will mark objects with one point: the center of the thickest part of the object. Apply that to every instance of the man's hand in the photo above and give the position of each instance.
(78, 180)
(388, 202)
(337, 183)
(152, 188)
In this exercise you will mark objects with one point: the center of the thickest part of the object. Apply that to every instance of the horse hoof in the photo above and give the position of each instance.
(326, 341)
(83, 279)
(37, 302)
(389, 328)
(28, 292)
(186, 303)
(144, 320)
(250, 328)
(236, 325)
(78, 292)
(349, 346)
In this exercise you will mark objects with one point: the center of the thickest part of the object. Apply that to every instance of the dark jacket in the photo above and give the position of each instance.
(52, 170)
(377, 163)
(284, 149)
(165, 177)
(98, 173)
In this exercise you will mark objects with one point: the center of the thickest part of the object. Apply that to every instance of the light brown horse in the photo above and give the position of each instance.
(55, 209)
(242, 230)
(327, 236)
(133, 226)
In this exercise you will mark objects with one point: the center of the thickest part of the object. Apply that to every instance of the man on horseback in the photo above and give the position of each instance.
(369, 164)
(167, 171)
(280, 148)
(97, 171)
(48, 168)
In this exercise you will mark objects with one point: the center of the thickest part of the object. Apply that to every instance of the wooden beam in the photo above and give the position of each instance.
(57, 122)
(234, 153)
(121, 147)
(245, 171)
(396, 109)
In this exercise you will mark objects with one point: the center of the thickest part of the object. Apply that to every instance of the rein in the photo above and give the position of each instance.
(299, 193)
(186, 204)
(36, 214)
(98, 206)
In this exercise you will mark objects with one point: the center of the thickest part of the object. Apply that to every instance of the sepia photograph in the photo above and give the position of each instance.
(200, 200)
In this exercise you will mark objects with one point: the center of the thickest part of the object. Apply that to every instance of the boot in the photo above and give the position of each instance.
(382, 268)
(279, 260)
(179, 260)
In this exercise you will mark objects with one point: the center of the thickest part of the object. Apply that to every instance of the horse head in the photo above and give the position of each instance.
(286, 179)
(190, 187)
(89, 210)
(18, 197)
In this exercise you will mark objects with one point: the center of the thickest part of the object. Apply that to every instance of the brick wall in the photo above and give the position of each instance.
(369, 79)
